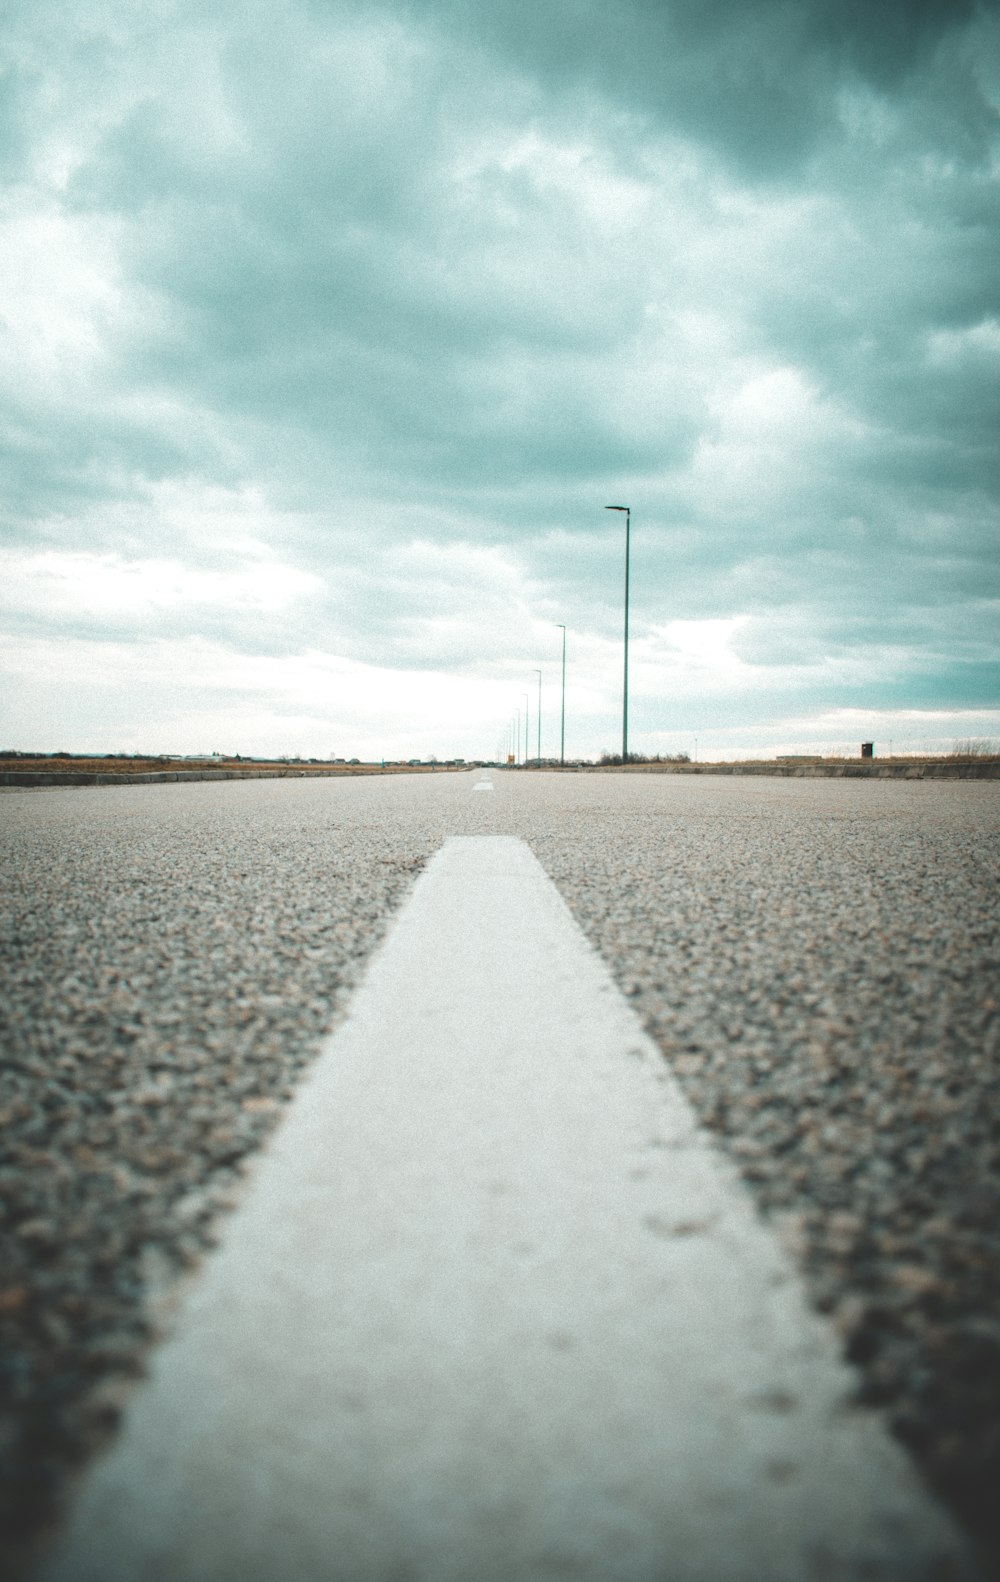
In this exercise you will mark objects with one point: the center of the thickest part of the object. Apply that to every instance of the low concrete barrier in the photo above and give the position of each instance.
(867, 769)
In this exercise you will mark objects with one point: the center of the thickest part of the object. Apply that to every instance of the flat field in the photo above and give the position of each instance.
(119, 765)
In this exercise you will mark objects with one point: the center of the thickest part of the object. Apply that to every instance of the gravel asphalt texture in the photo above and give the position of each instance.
(818, 960)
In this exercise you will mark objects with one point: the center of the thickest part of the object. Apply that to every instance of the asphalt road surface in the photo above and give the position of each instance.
(816, 959)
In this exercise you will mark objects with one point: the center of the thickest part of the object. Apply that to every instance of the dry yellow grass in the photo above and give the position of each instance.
(66, 763)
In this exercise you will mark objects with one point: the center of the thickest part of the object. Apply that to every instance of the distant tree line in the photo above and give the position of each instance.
(645, 758)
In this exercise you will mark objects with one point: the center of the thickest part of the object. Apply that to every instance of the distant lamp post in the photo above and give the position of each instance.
(628, 524)
(527, 721)
(538, 673)
(562, 723)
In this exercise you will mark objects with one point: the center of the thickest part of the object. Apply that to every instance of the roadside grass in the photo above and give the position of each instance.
(140, 764)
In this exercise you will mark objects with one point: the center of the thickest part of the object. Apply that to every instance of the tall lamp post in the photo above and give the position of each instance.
(562, 724)
(526, 724)
(538, 673)
(628, 524)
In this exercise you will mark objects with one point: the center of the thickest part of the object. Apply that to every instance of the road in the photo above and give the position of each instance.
(816, 959)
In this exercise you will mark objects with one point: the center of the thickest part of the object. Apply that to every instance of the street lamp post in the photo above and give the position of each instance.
(538, 673)
(562, 725)
(527, 721)
(628, 523)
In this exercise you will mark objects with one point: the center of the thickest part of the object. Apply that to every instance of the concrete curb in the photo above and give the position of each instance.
(845, 771)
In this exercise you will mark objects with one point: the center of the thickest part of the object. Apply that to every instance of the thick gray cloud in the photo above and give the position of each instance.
(759, 82)
(330, 330)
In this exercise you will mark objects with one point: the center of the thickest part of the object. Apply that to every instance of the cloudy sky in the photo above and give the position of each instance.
(329, 329)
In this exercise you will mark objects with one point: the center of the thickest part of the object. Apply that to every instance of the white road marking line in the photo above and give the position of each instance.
(493, 1307)
(483, 785)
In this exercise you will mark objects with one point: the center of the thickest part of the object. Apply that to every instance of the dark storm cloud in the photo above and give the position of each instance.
(339, 282)
(756, 81)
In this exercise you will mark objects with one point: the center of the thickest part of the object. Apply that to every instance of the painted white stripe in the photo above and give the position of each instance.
(493, 1308)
